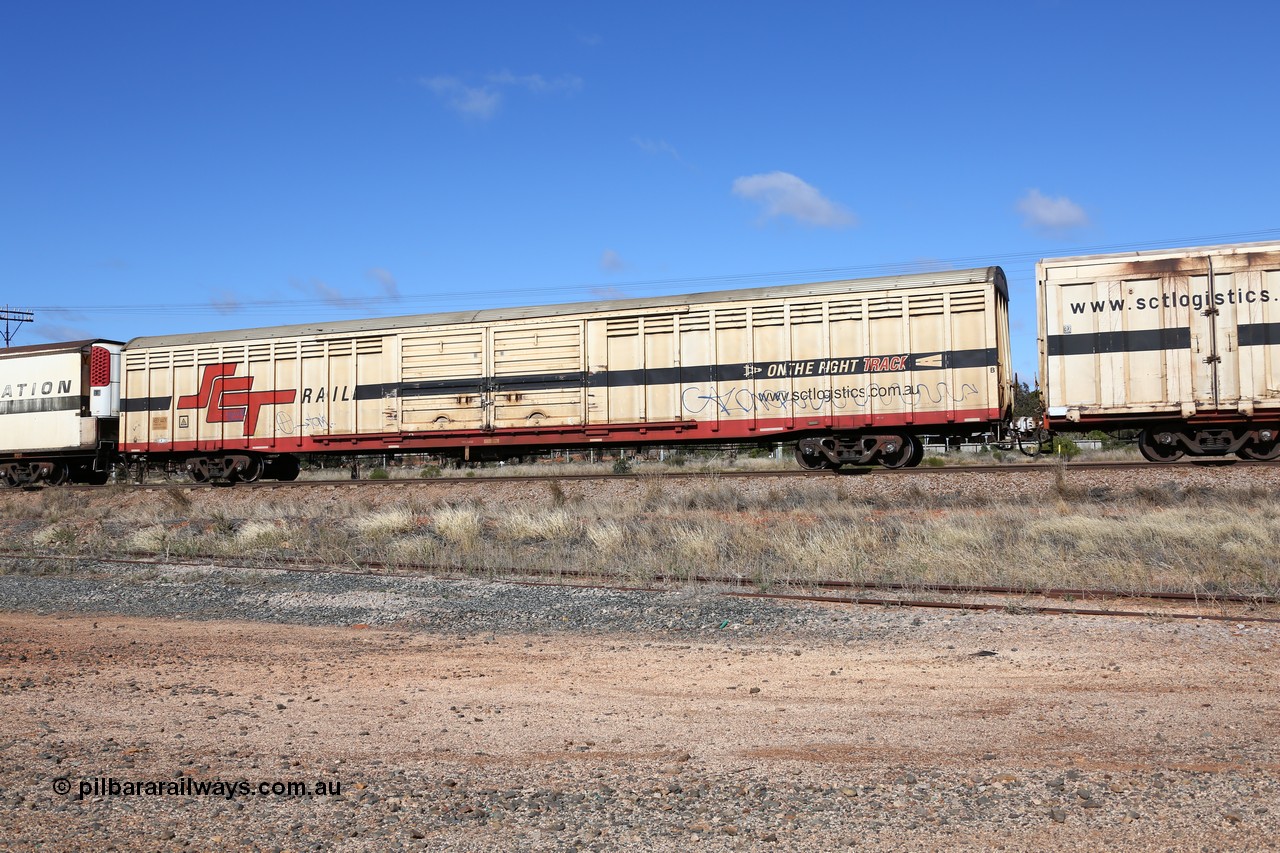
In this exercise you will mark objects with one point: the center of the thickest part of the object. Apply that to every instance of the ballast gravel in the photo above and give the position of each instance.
(174, 705)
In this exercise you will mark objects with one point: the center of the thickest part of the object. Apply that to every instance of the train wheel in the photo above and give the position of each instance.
(907, 454)
(811, 462)
(1153, 451)
(198, 469)
(1260, 452)
(283, 468)
(917, 454)
(250, 473)
(60, 473)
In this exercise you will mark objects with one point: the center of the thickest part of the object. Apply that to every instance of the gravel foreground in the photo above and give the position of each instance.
(473, 715)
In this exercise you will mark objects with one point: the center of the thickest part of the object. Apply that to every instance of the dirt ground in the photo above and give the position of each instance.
(396, 715)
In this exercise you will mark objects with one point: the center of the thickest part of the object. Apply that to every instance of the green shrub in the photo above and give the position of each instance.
(1066, 448)
(379, 474)
(621, 465)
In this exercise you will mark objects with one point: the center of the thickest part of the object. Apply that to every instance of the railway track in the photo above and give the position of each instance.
(1011, 470)
(835, 592)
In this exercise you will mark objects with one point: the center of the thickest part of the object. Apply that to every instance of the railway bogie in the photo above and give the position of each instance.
(892, 450)
(1174, 441)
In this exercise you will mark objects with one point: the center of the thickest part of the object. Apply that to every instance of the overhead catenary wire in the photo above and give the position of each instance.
(607, 290)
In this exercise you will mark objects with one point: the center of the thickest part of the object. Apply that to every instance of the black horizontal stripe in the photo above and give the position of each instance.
(438, 388)
(803, 368)
(1259, 334)
(377, 391)
(1094, 343)
(761, 371)
(41, 404)
(146, 404)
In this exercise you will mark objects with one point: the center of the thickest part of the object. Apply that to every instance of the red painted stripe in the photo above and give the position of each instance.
(763, 429)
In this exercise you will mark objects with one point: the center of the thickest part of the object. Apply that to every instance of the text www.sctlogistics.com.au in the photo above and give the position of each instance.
(186, 786)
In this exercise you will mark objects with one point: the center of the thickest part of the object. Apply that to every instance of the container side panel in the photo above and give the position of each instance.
(624, 370)
(42, 399)
(697, 371)
(1258, 335)
(772, 343)
(443, 379)
(887, 338)
(847, 332)
(962, 386)
(662, 399)
(808, 344)
(537, 375)
(730, 393)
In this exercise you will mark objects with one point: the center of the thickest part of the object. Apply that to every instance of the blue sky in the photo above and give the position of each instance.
(169, 167)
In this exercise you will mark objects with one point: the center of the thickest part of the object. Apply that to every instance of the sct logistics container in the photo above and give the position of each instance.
(1182, 344)
(858, 369)
(59, 405)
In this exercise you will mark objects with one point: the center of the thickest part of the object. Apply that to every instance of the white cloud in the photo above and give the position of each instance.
(536, 82)
(59, 332)
(783, 194)
(323, 291)
(387, 281)
(658, 147)
(481, 101)
(611, 261)
(226, 302)
(1050, 214)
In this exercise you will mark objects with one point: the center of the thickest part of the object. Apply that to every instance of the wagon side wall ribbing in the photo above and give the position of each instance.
(922, 352)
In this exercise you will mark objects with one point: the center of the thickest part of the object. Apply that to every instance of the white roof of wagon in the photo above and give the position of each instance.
(1166, 254)
(990, 275)
(52, 348)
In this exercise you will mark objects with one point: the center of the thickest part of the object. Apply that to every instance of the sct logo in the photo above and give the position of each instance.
(229, 398)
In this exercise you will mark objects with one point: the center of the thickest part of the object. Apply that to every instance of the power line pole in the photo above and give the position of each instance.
(13, 320)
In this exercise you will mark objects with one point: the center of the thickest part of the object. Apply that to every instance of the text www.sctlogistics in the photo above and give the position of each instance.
(186, 786)
(1195, 301)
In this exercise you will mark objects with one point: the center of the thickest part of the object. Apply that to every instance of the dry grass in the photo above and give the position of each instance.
(384, 524)
(1150, 539)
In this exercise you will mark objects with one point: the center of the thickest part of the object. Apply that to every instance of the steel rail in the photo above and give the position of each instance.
(852, 471)
(314, 566)
(383, 569)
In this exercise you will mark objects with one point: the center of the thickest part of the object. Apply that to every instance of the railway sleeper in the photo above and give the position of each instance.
(892, 450)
